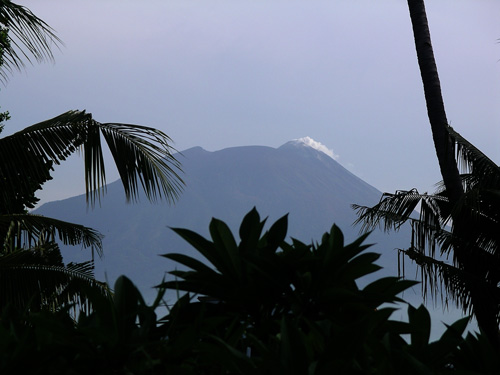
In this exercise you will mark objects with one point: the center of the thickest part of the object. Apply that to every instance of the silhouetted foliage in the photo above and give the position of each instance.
(467, 202)
(258, 306)
(142, 155)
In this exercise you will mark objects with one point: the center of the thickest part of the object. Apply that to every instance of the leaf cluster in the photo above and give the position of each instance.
(459, 256)
(28, 38)
(257, 306)
(32, 274)
(143, 157)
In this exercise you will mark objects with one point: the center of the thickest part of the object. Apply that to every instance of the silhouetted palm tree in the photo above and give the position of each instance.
(29, 38)
(468, 203)
(143, 158)
(436, 238)
(31, 269)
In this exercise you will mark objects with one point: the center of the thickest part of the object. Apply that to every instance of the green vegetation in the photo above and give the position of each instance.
(32, 272)
(27, 38)
(468, 202)
(259, 306)
(473, 244)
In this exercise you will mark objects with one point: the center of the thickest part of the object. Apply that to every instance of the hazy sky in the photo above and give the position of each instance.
(226, 73)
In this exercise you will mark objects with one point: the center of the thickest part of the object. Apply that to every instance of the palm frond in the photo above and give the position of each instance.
(29, 37)
(142, 155)
(425, 237)
(479, 210)
(29, 154)
(28, 230)
(476, 166)
(394, 210)
(24, 281)
(441, 279)
(472, 238)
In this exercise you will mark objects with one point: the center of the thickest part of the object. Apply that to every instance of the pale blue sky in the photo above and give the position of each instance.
(227, 73)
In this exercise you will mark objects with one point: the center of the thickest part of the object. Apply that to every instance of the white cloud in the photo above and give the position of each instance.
(318, 146)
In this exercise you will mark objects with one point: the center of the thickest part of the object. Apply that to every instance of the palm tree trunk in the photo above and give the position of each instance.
(445, 148)
(485, 307)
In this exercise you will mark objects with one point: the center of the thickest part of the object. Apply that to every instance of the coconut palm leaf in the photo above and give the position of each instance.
(480, 210)
(430, 233)
(479, 206)
(29, 280)
(142, 155)
(30, 38)
(476, 167)
(23, 231)
(438, 276)
(393, 210)
(472, 238)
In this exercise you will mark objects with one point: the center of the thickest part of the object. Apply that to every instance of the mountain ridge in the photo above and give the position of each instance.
(309, 186)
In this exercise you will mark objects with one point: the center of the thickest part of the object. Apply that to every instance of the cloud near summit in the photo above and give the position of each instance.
(318, 146)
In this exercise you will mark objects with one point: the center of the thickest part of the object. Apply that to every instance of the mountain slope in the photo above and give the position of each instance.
(293, 179)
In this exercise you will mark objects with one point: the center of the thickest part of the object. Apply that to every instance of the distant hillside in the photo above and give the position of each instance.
(294, 179)
(310, 186)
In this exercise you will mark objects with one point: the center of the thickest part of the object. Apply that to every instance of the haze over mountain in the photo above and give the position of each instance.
(300, 179)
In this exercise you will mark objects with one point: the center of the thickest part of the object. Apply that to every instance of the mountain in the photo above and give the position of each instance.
(297, 179)
(294, 179)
